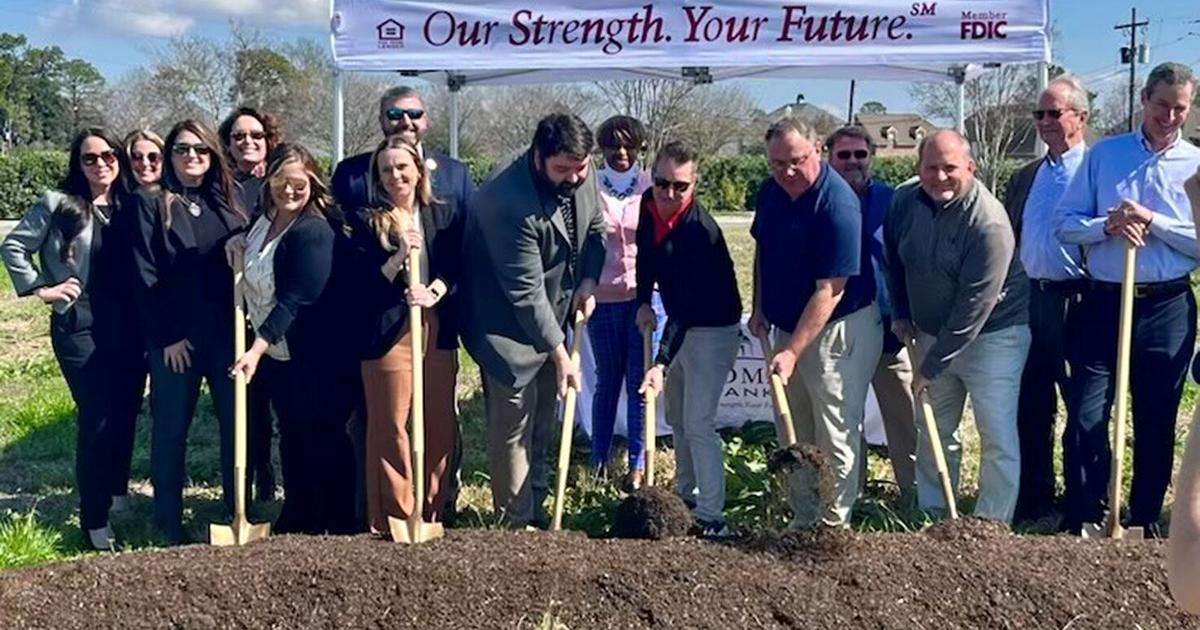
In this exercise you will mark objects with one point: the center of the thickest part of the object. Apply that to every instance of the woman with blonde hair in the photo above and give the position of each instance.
(402, 217)
(145, 151)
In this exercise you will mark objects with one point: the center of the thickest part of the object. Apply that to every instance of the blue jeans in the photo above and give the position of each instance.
(989, 370)
(617, 347)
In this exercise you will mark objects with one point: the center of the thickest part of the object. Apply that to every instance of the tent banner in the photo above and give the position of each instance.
(566, 34)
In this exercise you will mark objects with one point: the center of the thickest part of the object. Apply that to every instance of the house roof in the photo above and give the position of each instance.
(908, 128)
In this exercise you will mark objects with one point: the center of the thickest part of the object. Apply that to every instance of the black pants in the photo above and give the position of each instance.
(173, 398)
(1045, 369)
(106, 385)
(260, 434)
(313, 405)
(1164, 333)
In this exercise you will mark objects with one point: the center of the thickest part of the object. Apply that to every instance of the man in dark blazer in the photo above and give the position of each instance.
(534, 248)
(1056, 277)
(402, 113)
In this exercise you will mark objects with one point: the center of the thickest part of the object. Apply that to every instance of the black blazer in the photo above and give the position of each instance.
(383, 311)
(180, 294)
(303, 263)
(452, 186)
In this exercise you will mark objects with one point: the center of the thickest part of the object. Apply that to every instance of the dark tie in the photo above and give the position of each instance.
(566, 205)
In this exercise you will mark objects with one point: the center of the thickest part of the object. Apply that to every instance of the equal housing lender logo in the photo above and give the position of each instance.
(391, 34)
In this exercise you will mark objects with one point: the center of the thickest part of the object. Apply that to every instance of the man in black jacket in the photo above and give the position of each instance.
(681, 248)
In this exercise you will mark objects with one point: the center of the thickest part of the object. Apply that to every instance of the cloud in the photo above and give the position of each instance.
(169, 18)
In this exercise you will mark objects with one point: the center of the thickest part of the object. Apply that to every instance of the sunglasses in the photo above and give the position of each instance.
(182, 148)
(152, 157)
(240, 136)
(109, 157)
(398, 113)
(858, 154)
(1039, 114)
(679, 187)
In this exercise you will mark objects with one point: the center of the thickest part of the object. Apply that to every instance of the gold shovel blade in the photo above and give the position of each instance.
(237, 534)
(1096, 530)
(412, 532)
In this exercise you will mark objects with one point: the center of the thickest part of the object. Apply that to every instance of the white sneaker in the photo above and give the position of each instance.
(101, 539)
(120, 503)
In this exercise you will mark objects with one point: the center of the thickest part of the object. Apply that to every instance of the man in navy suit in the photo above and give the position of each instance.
(402, 113)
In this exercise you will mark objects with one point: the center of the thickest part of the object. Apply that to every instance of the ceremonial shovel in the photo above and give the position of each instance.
(783, 411)
(414, 529)
(241, 530)
(648, 417)
(935, 442)
(1112, 528)
(568, 427)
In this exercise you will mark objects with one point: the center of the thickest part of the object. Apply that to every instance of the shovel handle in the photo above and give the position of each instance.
(935, 440)
(239, 390)
(649, 417)
(1124, 342)
(784, 427)
(568, 427)
(417, 409)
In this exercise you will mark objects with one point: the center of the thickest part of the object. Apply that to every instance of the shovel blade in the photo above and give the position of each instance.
(1093, 530)
(412, 532)
(237, 534)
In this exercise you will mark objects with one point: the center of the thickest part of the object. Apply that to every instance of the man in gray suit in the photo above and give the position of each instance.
(533, 251)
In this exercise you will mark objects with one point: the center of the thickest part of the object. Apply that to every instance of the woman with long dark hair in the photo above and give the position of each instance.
(184, 293)
(403, 216)
(78, 272)
(287, 259)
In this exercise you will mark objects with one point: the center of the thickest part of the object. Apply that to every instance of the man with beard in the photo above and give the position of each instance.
(402, 114)
(1130, 189)
(850, 151)
(534, 249)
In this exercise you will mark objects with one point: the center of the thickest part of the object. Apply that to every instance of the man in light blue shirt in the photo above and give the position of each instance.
(1130, 188)
(1055, 274)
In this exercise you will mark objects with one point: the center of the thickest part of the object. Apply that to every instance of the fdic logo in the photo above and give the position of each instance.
(983, 25)
(391, 34)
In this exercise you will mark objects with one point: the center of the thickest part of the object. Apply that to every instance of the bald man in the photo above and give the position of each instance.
(960, 294)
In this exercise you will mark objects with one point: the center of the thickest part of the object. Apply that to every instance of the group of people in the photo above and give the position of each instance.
(934, 288)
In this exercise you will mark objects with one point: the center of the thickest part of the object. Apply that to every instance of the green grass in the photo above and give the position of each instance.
(38, 503)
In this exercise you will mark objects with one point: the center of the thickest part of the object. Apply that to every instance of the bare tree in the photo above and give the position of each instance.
(503, 121)
(707, 116)
(191, 78)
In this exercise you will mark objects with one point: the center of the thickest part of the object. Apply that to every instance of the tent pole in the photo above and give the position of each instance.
(339, 102)
(960, 122)
(1039, 147)
(454, 122)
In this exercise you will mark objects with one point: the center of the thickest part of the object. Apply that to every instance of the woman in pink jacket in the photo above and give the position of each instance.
(616, 342)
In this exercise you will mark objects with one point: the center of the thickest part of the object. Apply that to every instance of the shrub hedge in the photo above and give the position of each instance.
(26, 174)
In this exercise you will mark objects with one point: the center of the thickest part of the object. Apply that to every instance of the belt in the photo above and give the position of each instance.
(1074, 285)
(1146, 289)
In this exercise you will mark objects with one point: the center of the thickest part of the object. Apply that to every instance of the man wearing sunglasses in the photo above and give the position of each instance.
(1056, 278)
(815, 287)
(402, 113)
(1130, 189)
(850, 151)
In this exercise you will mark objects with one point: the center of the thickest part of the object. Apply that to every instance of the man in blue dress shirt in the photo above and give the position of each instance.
(1056, 279)
(1130, 188)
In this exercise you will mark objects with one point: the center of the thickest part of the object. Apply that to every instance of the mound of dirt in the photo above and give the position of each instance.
(503, 579)
(814, 545)
(968, 528)
(810, 481)
(651, 513)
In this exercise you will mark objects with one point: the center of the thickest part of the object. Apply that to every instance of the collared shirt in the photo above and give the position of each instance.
(1042, 254)
(1125, 167)
(817, 236)
(876, 197)
(662, 226)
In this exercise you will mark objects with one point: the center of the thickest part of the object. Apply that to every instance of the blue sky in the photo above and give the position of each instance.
(117, 35)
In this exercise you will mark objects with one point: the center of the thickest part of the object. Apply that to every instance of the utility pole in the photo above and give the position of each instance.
(1133, 57)
(850, 109)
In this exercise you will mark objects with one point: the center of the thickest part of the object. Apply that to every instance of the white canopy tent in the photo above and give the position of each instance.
(504, 42)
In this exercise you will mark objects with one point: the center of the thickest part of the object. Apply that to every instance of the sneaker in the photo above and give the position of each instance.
(715, 530)
(101, 539)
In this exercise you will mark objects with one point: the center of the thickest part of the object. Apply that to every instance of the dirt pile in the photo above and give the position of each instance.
(968, 528)
(501, 579)
(821, 544)
(651, 513)
(809, 479)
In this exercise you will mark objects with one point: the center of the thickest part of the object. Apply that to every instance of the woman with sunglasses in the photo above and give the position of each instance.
(616, 342)
(66, 251)
(184, 293)
(287, 260)
(145, 151)
(403, 216)
(249, 136)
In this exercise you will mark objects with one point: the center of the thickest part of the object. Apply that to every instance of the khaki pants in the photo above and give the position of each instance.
(828, 394)
(893, 389)
(520, 427)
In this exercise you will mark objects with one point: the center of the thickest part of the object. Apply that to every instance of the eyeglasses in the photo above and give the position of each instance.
(240, 136)
(152, 157)
(1039, 114)
(858, 154)
(109, 157)
(182, 148)
(298, 186)
(679, 187)
(398, 113)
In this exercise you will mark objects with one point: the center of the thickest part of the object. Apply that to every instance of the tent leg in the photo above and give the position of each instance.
(1039, 146)
(960, 122)
(339, 107)
(454, 130)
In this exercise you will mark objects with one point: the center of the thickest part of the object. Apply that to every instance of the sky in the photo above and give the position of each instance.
(119, 35)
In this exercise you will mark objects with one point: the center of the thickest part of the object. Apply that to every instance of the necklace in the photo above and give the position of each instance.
(619, 194)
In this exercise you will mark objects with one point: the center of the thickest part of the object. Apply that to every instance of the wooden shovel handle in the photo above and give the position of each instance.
(784, 427)
(568, 427)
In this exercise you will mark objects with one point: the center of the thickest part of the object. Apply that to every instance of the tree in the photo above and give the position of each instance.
(707, 116)
(872, 107)
(82, 88)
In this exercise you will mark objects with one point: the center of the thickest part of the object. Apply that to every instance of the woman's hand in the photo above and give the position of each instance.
(248, 363)
(178, 356)
(66, 291)
(235, 248)
(412, 238)
(421, 295)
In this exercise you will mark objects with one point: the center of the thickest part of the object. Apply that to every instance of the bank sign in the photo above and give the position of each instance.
(561, 34)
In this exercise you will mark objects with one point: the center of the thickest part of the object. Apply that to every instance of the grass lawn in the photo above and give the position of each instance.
(38, 504)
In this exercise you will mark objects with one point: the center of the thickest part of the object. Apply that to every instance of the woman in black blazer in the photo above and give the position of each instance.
(184, 293)
(287, 258)
(403, 215)
(68, 253)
